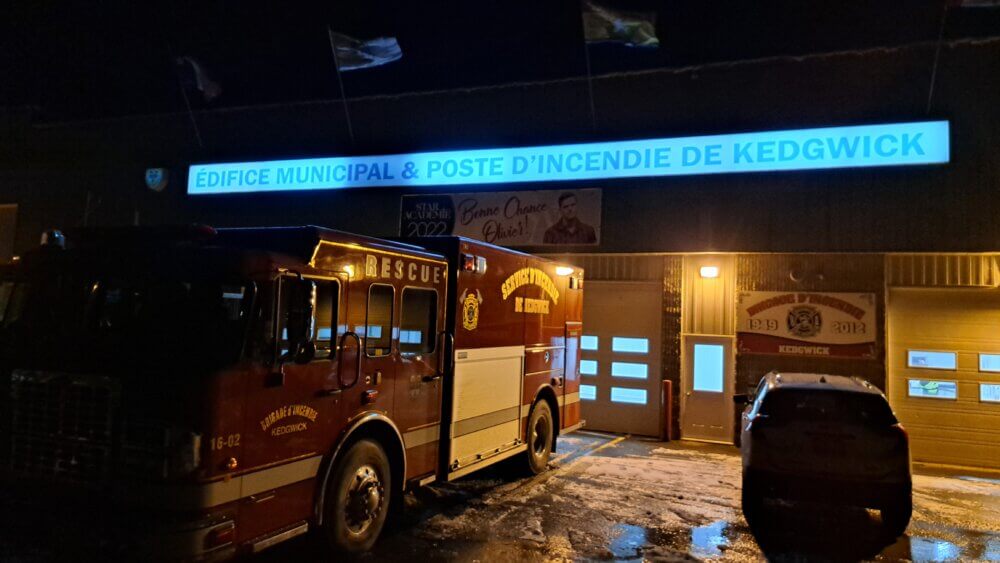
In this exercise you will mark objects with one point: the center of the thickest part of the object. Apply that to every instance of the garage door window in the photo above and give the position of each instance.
(630, 345)
(588, 367)
(930, 360)
(588, 342)
(989, 392)
(629, 369)
(624, 395)
(930, 389)
(989, 362)
(588, 392)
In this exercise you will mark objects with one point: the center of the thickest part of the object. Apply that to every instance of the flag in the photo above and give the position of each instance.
(353, 54)
(631, 28)
(193, 78)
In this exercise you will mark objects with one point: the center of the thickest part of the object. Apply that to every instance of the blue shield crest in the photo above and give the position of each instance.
(156, 179)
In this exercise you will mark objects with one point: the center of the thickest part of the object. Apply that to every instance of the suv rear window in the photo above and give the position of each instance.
(794, 405)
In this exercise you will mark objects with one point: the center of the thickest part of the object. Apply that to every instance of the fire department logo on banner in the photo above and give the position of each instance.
(470, 309)
(804, 321)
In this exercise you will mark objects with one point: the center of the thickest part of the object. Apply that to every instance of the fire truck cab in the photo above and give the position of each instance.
(231, 389)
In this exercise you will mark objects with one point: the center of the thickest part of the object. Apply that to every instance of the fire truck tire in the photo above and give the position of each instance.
(539, 437)
(358, 498)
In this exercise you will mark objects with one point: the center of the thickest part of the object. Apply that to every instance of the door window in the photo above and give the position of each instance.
(709, 367)
(378, 326)
(418, 322)
(325, 320)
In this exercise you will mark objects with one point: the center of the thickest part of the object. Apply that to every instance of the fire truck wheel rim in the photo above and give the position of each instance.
(363, 501)
(540, 435)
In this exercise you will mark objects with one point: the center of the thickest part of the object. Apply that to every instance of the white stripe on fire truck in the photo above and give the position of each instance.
(243, 486)
(422, 436)
(483, 421)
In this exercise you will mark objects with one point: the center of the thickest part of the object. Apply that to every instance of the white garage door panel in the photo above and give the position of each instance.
(620, 351)
(962, 431)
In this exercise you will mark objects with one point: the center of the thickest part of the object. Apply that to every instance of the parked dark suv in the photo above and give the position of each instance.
(825, 438)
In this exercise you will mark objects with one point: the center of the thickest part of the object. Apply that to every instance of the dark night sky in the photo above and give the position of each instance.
(95, 60)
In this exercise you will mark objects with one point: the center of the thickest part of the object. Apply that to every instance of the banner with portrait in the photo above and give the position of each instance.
(529, 218)
(806, 324)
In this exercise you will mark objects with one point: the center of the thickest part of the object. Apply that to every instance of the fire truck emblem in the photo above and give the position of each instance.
(470, 309)
(804, 321)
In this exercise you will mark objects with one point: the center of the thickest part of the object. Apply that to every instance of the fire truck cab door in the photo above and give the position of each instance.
(292, 409)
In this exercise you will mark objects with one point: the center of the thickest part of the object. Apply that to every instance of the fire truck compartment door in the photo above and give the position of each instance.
(486, 407)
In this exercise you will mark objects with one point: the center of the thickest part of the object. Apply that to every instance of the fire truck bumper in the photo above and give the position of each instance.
(59, 523)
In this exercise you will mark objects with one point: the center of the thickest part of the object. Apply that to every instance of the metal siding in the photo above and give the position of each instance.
(942, 270)
(709, 303)
(614, 267)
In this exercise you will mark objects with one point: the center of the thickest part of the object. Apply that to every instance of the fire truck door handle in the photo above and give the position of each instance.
(340, 360)
(328, 392)
(445, 353)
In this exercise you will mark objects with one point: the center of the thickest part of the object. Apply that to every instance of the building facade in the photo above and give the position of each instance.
(908, 251)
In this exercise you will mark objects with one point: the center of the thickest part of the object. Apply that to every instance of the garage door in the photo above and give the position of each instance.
(944, 373)
(620, 380)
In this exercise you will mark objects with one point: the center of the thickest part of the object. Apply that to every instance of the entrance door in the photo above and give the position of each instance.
(707, 382)
(620, 381)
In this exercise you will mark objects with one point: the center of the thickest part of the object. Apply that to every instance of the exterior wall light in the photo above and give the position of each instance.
(709, 271)
(563, 270)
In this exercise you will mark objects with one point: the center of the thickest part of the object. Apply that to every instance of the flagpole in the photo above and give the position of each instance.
(937, 56)
(187, 102)
(340, 80)
(590, 77)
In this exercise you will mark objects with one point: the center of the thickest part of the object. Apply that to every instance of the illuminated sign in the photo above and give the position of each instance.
(895, 144)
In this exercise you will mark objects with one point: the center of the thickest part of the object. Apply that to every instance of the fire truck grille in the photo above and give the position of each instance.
(144, 449)
(68, 461)
(61, 425)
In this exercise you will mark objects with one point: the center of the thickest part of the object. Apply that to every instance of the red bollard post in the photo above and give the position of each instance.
(668, 410)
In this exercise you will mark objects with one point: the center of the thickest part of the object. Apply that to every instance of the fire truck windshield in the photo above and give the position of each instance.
(73, 322)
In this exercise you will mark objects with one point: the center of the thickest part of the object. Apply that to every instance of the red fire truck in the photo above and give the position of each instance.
(215, 392)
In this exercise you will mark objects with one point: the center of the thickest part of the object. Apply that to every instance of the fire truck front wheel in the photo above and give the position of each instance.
(358, 498)
(540, 430)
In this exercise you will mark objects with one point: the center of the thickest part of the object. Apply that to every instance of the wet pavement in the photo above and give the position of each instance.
(611, 498)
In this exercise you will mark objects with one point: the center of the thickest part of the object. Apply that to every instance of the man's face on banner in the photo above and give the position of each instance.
(568, 207)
